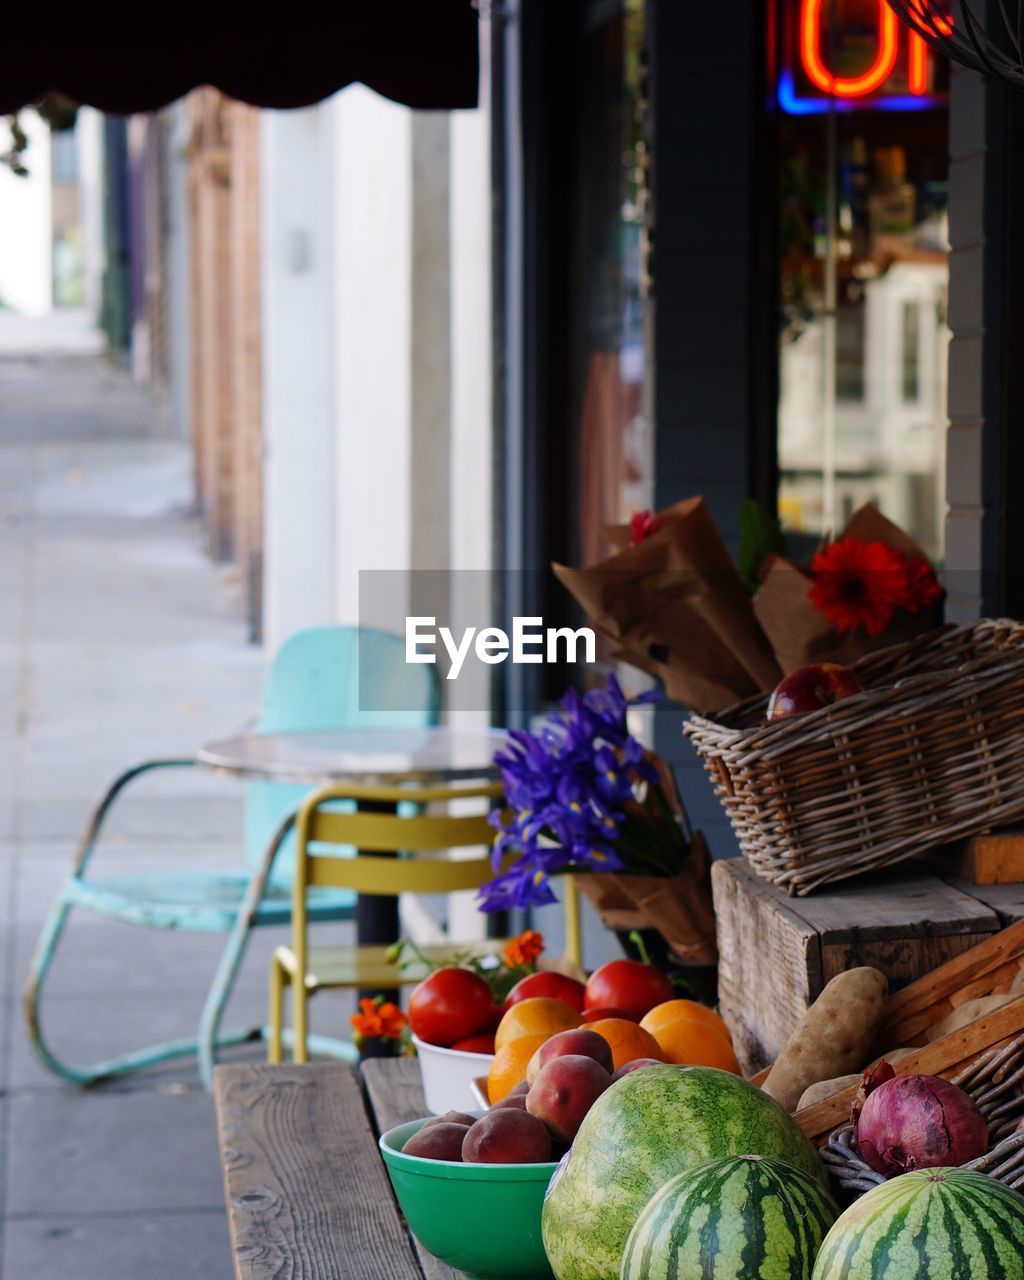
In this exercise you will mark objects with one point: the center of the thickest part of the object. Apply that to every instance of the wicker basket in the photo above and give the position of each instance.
(996, 1083)
(932, 751)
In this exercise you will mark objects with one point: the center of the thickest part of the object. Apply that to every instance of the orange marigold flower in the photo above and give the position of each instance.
(393, 1021)
(378, 1018)
(923, 587)
(523, 950)
(858, 583)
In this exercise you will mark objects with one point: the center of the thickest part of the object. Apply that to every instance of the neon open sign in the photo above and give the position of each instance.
(850, 54)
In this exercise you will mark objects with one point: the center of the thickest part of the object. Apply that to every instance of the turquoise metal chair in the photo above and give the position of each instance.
(313, 684)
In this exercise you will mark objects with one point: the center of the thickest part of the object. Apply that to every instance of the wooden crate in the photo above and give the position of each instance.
(776, 952)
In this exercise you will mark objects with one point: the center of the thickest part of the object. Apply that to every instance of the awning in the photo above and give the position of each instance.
(422, 53)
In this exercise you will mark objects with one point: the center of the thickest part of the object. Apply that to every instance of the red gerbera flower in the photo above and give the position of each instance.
(858, 583)
(642, 526)
(923, 587)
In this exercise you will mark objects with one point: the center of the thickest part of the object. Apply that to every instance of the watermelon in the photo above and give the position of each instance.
(646, 1128)
(932, 1224)
(748, 1216)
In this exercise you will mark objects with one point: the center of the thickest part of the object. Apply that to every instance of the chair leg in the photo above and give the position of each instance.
(220, 992)
(300, 1017)
(278, 978)
(96, 1073)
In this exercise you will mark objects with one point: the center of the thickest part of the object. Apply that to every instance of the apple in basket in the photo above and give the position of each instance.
(811, 688)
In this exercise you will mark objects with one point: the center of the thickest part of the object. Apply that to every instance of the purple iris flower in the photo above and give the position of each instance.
(568, 785)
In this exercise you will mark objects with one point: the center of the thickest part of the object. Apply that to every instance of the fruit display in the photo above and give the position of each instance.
(742, 1216)
(810, 688)
(926, 1224)
(643, 1130)
(918, 1122)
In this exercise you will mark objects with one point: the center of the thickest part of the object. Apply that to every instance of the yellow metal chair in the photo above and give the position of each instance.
(424, 838)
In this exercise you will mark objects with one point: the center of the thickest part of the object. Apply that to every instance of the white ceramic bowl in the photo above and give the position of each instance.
(448, 1076)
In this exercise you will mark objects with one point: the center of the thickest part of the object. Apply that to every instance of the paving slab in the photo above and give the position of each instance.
(105, 1151)
(123, 1246)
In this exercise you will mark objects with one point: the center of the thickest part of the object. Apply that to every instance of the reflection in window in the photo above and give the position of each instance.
(863, 280)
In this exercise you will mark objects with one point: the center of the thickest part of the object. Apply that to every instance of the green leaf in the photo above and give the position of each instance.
(760, 534)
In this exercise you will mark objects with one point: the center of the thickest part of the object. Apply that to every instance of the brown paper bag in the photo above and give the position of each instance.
(676, 608)
(800, 634)
(679, 907)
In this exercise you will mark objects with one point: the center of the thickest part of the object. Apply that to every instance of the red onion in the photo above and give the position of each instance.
(919, 1122)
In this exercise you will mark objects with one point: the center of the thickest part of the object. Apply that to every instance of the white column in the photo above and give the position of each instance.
(297, 181)
(89, 135)
(470, 456)
(373, 373)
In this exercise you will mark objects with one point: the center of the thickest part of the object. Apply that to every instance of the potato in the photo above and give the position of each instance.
(826, 1088)
(834, 1037)
(965, 1013)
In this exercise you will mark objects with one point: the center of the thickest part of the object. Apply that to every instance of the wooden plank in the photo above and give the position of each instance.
(394, 1091)
(929, 991)
(1006, 900)
(992, 859)
(307, 1193)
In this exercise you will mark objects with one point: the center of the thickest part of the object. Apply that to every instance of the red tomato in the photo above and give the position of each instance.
(475, 1044)
(555, 985)
(494, 1017)
(629, 985)
(450, 1005)
(595, 1015)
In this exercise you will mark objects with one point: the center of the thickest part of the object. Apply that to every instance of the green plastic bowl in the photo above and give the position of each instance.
(483, 1219)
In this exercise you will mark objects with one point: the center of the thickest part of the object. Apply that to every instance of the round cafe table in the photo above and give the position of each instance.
(435, 755)
(369, 756)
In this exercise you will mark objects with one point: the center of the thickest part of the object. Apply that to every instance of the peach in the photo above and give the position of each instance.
(517, 1101)
(635, 1065)
(452, 1117)
(438, 1142)
(577, 1041)
(564, 1091)
(506, 1136)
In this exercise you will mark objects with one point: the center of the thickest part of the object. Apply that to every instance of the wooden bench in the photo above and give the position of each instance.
(306, 1189)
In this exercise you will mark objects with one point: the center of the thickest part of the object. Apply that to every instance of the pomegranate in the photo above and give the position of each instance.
(919, 1122)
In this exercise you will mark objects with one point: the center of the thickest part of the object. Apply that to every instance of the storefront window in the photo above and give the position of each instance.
(864, 273)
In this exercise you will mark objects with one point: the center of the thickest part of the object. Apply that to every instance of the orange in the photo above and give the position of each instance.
(695, 1043)
(627, 1040)
(539, 1015)
(672, 1010)
(509, 1066)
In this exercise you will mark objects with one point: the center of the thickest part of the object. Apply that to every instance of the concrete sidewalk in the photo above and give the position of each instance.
(119, 641)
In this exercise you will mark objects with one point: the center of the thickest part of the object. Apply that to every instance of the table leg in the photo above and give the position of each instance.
(376, 914)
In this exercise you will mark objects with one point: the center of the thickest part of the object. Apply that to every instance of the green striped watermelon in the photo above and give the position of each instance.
(932, 1224)
(748, 1216)
(646, 1128)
